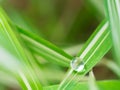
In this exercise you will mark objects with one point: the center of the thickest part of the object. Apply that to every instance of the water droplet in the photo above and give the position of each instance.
(77, 65)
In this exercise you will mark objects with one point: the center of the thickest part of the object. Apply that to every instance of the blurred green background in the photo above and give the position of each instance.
(65, 23)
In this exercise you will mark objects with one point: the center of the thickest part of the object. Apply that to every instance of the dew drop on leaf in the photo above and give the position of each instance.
(78, 65)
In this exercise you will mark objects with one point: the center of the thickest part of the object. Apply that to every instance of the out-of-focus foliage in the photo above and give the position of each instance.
(67, 24)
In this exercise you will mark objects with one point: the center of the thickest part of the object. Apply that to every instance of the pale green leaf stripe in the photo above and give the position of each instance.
(44, 48)
(102, 85)
(9, 35)
(96, 47)
(91, 53)
(92, 82)
(113, 15)
(94, 41)
(9, 41)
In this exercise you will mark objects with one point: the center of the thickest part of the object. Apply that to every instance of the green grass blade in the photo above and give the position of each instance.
(96, 47)
(44, 48)
(113, 15)
(102, 85)
(92, 81)
(11, 47)
(92, 52)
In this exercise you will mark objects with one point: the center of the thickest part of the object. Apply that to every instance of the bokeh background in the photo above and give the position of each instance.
(65, 23)
(62, 22)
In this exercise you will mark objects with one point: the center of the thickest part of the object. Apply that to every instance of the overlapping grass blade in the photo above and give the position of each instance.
(92, 82)
(96, 46)
(94, 49)
(102, 85)
(113, 15)
(44, 48)
(10, 45)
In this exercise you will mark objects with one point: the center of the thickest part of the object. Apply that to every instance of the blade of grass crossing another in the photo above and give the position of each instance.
(94, 49)
(23, 72)
(44, 48)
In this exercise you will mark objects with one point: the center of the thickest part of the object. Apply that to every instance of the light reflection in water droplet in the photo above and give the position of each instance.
(77, 65)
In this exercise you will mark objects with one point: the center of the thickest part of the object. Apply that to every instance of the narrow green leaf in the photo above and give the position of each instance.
(92, 81)
(44, 48)
(102, 85)
(11, 47)
(96, 47)
(113, 15)
(92, 52)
